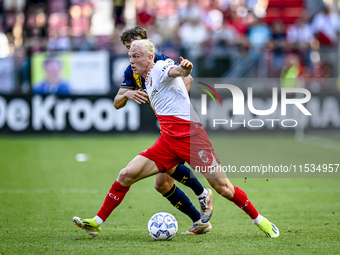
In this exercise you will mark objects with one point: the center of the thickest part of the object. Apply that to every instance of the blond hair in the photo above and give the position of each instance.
(147, 46)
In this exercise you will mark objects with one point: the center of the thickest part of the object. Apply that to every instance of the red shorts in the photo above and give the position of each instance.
(196, 150)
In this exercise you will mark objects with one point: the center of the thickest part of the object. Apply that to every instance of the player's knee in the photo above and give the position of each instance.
(163, 187)
(125, 177)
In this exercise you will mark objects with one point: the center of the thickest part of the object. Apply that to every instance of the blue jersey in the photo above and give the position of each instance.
(136, 81)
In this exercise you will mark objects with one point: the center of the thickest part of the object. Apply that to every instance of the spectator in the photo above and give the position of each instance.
(300, 34)
(326, 26)
(314, 6)
(277, 46)
(82, 43)
(4, 45)
(227, 36)
(193, 35)
(300, 38)
(259, 34)
(36, 42)
(116, 47)
(278, 34)
(22, 68)
(167, 19)
(291, 71)
(53, 83)
(214, 20)
(154, 36)
(145, 13)
(59, 41)
(118, 12)
(187, 8)
(239, 16)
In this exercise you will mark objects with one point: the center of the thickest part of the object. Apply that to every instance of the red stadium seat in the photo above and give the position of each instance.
(285, 3)
(287, 11)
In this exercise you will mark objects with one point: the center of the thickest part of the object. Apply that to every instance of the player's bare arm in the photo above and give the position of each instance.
(123, 95)
(188, 81)
(184, 69)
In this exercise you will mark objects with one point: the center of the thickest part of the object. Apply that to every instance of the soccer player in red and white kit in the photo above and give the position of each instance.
(133, 88)
(182, 138)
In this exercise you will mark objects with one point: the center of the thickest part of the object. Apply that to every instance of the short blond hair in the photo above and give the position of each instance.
(145, 44)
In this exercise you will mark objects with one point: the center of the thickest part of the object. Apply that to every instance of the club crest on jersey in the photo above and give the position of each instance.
(203, 154)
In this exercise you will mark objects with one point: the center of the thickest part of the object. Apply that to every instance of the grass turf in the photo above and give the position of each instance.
(42, 187)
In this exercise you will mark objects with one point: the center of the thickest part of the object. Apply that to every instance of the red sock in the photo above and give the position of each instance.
(241, 200)
(112, 200)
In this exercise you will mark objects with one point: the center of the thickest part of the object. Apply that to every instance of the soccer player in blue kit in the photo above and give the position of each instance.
(133, 88)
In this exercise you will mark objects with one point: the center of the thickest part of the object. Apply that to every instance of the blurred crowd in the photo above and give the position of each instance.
(192, 28)
(203, 28)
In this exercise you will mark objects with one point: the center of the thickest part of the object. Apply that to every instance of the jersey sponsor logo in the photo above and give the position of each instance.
(166, 66)
(154, 92)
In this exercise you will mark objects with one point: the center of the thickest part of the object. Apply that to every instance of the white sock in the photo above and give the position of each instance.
(99, 220)
(258, 219)
(204, 194)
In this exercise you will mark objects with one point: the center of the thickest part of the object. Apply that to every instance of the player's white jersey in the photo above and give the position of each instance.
(168, 95)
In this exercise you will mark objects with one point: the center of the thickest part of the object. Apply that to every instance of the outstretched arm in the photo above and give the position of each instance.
(124, 94)
(184, 69)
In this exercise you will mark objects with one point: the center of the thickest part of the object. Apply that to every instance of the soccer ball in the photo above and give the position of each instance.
(162, 226)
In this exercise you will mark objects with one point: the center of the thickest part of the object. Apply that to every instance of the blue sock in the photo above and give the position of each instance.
(183, 175)
(179, 200)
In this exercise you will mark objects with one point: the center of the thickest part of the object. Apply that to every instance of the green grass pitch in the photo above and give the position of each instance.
(42, 187)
